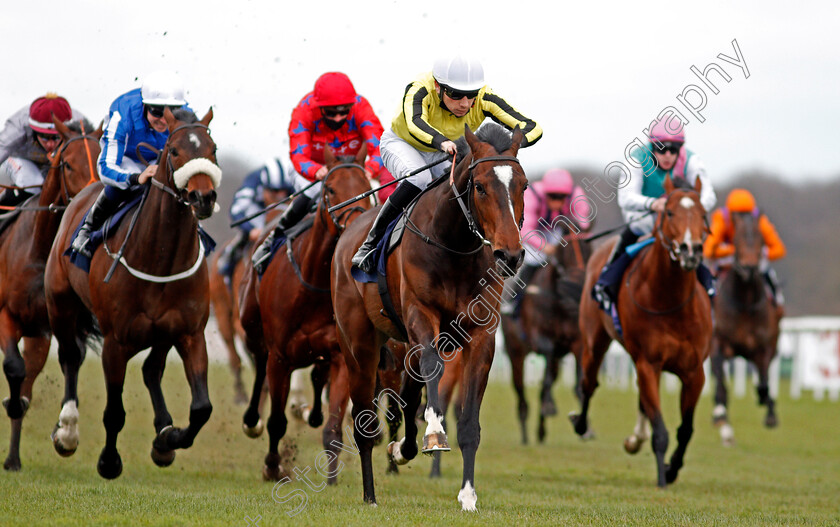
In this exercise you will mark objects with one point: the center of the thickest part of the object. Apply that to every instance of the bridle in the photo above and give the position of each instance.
(62, 173)
(466, 208)
(170, 170)
(666, 241)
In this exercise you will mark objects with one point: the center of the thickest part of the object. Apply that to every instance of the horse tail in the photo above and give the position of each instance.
(88, 332)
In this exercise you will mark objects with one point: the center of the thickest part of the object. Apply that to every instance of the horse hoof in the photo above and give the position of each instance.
(275, 473)
(109, 469)
(632, 445)
(581, 427)
(727, 435)
(435, 442)
(315, 419)
(300, 411)
(12, 465)
(162, 458)
(771, 421)
(59, 445)
(254, 431)
(395, 452)
(670, 474)
(393, 469)
(16, 411)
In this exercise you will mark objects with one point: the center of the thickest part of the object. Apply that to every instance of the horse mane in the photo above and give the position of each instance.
(497, 135)
(680, 183)
(76, 126)
(185, 116)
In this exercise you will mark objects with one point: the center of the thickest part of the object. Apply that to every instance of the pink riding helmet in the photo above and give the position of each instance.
(664, 132)
(558, 181)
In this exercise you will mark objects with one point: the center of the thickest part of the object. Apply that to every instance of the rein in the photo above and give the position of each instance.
(118, 256)
(465, 208)
(337, 222)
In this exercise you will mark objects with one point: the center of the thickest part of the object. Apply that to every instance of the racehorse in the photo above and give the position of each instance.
(746, 321)
(446, 275)
(288, 316)
(157, 297)
(666, 319)
(24, 247)
(548, 325)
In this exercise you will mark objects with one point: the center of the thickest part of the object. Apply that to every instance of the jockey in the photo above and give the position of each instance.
(262, 187)
(335, 115)
(434, 110)
(25, 141)
(133, 118)
(643, 196)
(547, 203)
(719, 246)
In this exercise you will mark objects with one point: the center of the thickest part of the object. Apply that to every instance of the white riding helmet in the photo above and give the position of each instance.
(459, 73)
(163, 88)
(273, 177)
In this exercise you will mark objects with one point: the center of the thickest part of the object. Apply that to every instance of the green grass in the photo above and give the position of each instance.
(787, 476)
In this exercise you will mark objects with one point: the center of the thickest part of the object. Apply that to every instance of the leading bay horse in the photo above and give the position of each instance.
(445, 279)
(746, 321)
(24, 247)
(547, 325)
(288, 317)
(667, 321)
(157, 296)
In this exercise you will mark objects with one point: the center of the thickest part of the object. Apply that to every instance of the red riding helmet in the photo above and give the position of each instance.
(43, 108)
(334, 89)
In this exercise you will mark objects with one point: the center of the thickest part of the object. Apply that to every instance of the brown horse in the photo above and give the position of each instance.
(24, 247)
(667, 321)
(156, 298)
(547, 325)
(288, 317)
(445, 275)
(746, 321)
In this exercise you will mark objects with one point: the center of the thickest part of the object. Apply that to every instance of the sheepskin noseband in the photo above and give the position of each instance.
(201, 165)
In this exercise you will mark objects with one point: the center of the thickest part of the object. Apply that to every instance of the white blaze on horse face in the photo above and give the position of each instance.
(435, 422)
(467, 497)
(505, 175)
(686, 202)
(195, 140)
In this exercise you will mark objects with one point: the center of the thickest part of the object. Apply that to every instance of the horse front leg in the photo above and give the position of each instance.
(641, 433)
(592, 354)
(320, 375)
(692, 386)
(279, 377)
(114, 360)
(648, 380)
(473, 383)
(193, 351)
(763, 389)
(720, 415)
(404, 450)
(13, 366)
(548, 407)
(35, 350)
(252, 424)
(153, 368)
(339, 396)
(71, 354)
(516, 352)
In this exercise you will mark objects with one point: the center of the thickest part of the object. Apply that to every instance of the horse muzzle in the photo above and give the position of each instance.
(507, 262)
(203, 204)
(690, 256)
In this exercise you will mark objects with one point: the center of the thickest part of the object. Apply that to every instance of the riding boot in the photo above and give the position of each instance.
(707, 279)
(773, 283)
(513, 306)
(12, 198)
(290, 218)
(230, 255)
(606, 288)
(101, 209)
(392, 208)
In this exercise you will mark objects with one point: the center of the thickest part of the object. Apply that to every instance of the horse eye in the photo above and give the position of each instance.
(669, 213)
(173, 151)
(480, 188)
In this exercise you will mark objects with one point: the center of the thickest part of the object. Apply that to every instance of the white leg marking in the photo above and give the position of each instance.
(719, 411)
(68, 433)
(435, 422)
(642, 428)
(395, 449)
(727, 434)
(467, 497)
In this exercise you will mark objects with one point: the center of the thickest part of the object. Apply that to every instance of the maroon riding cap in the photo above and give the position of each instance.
(42, 110)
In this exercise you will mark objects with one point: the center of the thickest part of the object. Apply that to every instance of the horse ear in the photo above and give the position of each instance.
(669, 184)
(361, 155)
(329, 156)
(517, 138)
(472, 140)
(60, 127)
(171, 121)
(207, 117)
(99, 131)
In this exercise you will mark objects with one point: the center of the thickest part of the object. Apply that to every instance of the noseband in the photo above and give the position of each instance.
(170, 169)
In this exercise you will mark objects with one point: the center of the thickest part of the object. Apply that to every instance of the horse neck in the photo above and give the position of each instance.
(46, 221)
(747, 292)
(167, 226)
(319, 243)
(664, 276)
(448, 225)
